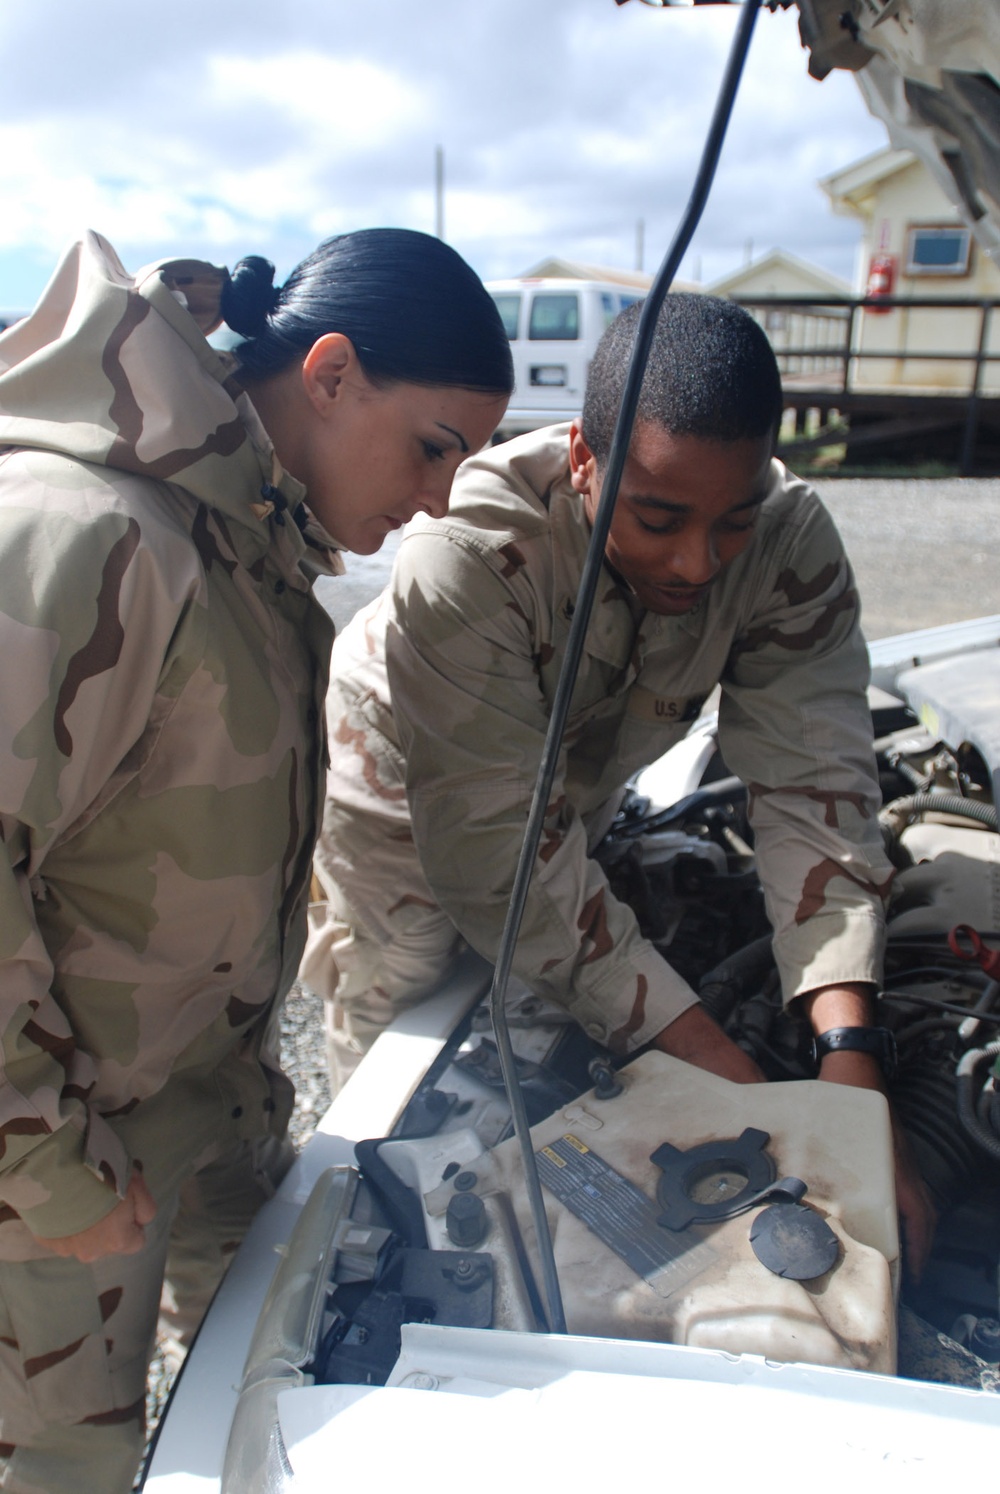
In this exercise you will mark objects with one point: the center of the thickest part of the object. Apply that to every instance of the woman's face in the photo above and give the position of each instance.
(372, 457)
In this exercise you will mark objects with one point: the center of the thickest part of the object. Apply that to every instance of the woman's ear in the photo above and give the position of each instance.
(330, 362)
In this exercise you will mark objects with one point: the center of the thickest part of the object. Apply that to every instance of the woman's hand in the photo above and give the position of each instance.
(122, 1232)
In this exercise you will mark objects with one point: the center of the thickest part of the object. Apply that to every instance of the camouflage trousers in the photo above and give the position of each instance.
(76, 1340)
(380, 947)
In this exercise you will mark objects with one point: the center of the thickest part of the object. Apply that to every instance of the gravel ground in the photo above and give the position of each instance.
(924, 552)
(303, 1056)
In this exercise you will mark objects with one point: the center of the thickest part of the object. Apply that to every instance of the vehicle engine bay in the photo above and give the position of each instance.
(755, 1219)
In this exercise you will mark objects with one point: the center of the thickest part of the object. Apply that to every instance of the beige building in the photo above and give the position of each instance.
(822, 328)
(557, 268)
(914, 244)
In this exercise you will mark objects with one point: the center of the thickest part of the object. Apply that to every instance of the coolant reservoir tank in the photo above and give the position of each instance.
(625, 1275)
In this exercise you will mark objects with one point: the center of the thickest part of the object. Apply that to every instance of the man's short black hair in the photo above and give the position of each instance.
(711, 373)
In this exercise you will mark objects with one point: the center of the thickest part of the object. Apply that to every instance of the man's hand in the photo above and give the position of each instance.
(698, 1040)
(851, 1006)
(122, 1232)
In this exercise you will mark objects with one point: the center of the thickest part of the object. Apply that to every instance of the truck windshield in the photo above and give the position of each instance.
(509, 307)
(555, 318)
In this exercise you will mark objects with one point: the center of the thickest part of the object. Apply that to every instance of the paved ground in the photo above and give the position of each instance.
(925, 551)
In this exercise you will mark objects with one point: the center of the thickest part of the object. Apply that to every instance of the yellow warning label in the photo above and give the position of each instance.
(575, 1141)
(553, 1156)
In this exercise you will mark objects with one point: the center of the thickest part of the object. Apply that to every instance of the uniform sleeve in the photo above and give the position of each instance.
(795, 725)
(88, 671)
(472, 718)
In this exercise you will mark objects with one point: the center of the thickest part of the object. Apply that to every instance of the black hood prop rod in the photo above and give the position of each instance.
(574, 649)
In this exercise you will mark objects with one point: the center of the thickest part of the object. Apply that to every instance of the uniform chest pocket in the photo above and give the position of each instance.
(653, 723)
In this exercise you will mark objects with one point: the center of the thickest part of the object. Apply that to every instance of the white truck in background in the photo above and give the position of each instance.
(554, 326)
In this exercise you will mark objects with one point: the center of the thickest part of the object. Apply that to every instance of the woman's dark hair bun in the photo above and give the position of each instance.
(413, 310)
(249, 296)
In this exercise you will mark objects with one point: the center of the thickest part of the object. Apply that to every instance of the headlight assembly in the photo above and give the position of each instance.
(285, 1339)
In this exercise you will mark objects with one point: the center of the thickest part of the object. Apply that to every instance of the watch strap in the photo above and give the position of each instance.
(876, 1041)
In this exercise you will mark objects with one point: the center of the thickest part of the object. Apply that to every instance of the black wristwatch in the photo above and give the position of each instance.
(878, 1041)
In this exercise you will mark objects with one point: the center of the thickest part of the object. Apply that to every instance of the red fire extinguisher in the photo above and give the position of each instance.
(881, 281)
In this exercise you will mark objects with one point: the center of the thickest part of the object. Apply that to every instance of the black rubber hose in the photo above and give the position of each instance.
(917, 998)
(924, 1098)
(965, 1076)
(919, 780)
(953, 804)
(915, 1031)
(589, 579)
(401, 1204)
(721, 990)
(691, 807)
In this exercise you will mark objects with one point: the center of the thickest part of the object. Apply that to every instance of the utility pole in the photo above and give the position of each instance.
(439, 191)
(640, 244)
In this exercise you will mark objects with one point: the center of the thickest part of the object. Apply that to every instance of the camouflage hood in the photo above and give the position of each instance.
(163, 666)
(115, 370)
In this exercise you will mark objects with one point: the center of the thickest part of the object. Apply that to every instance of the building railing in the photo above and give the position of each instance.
(835, 364)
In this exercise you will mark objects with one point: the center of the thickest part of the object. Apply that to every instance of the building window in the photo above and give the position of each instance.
(938, 250)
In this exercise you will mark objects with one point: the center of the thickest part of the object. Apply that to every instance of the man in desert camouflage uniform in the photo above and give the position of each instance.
(163, 666)
(721, 569)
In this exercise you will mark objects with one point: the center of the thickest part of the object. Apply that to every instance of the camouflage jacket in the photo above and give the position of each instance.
(163, 665)
(468, 641)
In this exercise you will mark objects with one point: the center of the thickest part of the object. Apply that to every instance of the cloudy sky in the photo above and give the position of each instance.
(218, 128)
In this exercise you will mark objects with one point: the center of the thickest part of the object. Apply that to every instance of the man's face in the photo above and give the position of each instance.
(686, 508)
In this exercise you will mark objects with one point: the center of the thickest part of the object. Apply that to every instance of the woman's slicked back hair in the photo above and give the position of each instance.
(412, 307)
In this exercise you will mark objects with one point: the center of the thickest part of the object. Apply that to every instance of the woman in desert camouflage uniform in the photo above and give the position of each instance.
(163, 510)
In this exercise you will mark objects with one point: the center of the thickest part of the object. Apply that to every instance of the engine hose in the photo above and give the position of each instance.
(924, 1098)
(953, 804)
(965, 1075)
(691, 807)
(721, 990)
(915, 1031)
(919, 780)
